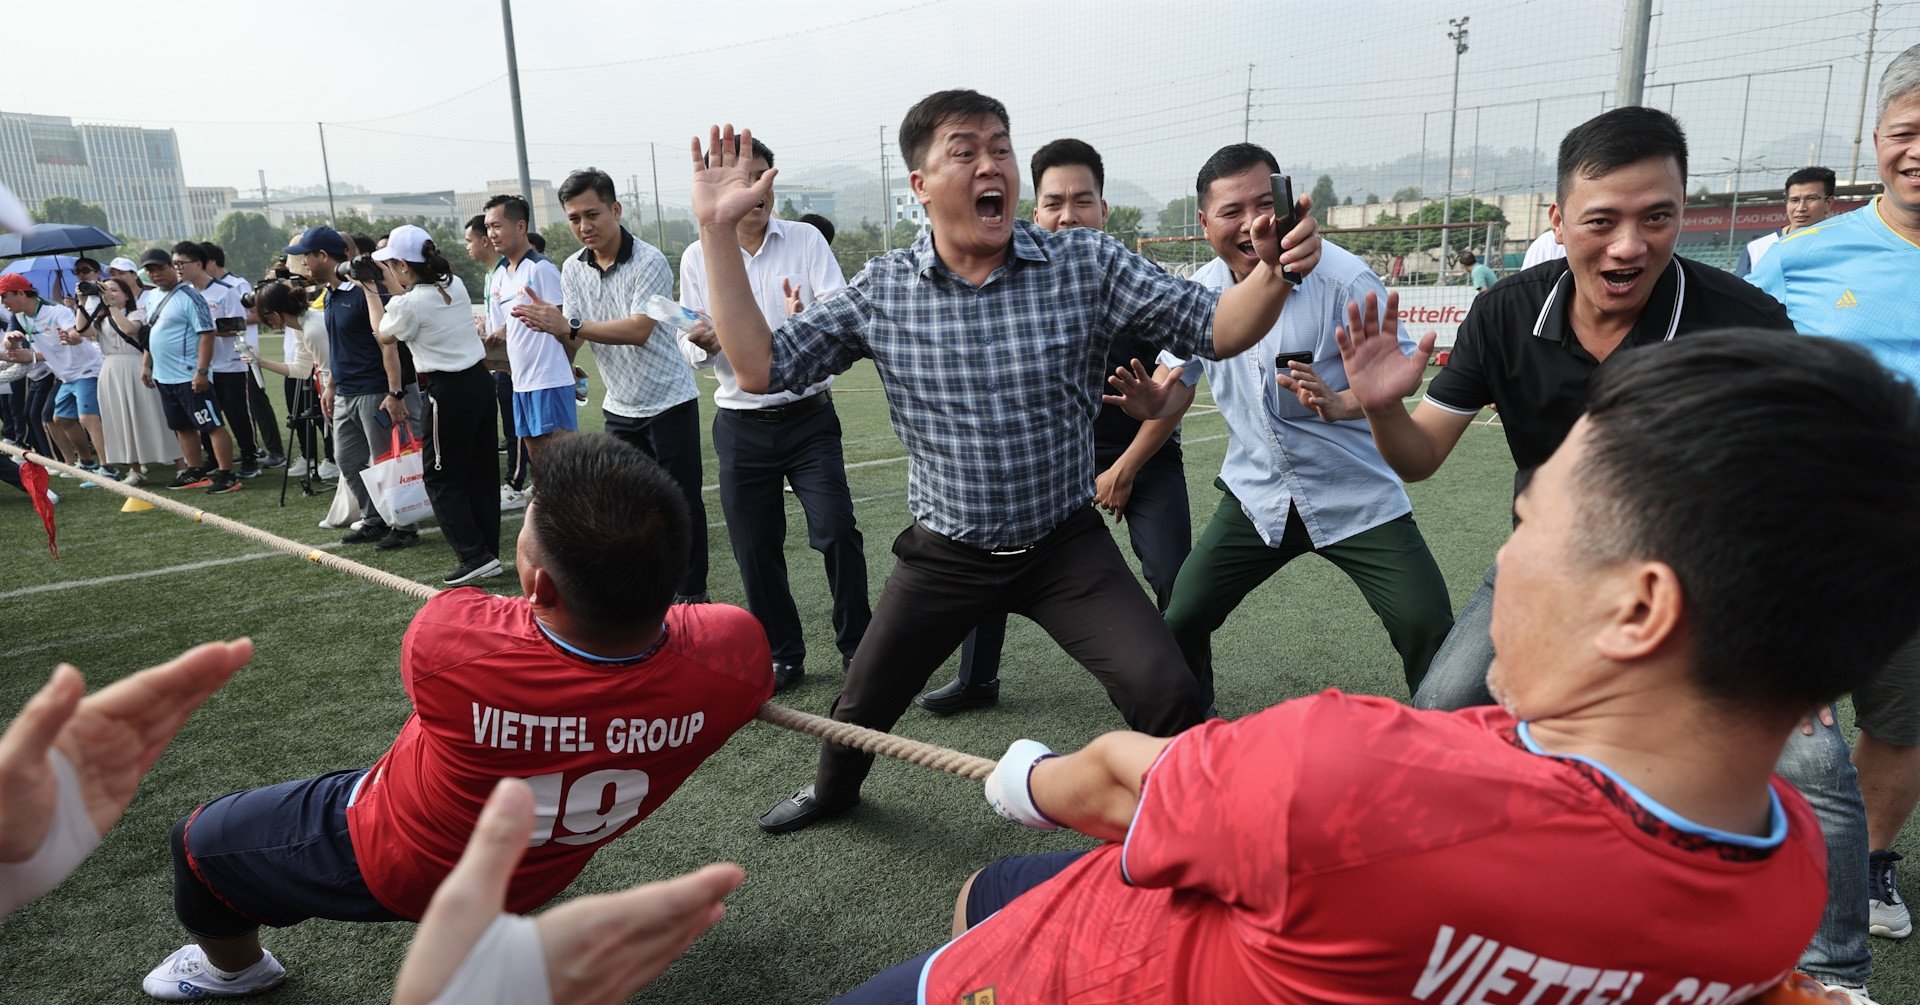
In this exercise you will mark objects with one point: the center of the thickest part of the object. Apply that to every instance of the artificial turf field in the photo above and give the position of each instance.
(821, 910)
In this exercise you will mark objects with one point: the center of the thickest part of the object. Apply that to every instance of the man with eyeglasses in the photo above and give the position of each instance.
(180, 335)
(1809, 201)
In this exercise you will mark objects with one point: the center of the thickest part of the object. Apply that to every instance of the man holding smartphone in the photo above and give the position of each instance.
(1301, 474)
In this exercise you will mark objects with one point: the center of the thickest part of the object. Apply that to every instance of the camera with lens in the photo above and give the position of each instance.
(363, 269)
(88, 288)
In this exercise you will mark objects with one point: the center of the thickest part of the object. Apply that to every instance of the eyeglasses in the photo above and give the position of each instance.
(178, 264)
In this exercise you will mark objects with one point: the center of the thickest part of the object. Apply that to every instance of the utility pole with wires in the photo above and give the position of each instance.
(519, 123)
(1246, 118)
(1866, 79)
(327, 170)
(659, 221)
(1459, 37)
(886, 195)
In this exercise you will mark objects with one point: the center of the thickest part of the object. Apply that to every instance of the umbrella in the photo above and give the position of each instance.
(53, 238)
(52, 275)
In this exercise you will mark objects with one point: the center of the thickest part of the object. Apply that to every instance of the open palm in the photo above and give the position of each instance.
(1379, 373)
(724, 190)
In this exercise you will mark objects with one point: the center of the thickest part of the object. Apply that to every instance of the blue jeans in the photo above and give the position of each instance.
(1821, 768)
(1457, 677)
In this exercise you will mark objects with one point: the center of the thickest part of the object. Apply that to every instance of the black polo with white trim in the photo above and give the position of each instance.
(1517, 351)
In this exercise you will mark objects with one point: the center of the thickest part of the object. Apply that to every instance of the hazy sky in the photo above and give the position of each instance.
(415, 94)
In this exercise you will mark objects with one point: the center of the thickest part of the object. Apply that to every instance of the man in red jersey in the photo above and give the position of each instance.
(590, 687)
(1612, 831)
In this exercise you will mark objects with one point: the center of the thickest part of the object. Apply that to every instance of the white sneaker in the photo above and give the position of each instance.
(512, 498)
(1887, 912)
(329, 470)
(299, 468)
(185, 976)
(133, 478)
(1854, 993)
(53, 498)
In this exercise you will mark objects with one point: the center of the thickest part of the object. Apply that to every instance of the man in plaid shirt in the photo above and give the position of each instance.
(990, 336)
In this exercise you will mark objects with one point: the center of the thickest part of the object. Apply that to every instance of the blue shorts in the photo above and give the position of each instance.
(537, 413)
(188, 412)
(272, 856)
(77, 398)
(996, 887)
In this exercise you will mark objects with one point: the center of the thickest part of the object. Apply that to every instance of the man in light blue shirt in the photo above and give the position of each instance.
(1299, 478)
(1852, 278)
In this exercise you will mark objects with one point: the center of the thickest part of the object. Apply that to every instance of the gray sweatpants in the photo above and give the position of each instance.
(358, 436)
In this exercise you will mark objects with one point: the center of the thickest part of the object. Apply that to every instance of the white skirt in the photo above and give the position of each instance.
(131, 417)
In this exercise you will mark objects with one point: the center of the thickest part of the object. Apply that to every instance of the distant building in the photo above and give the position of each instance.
(133, 174)
(545, 203)
(441, 206)
(907, 209)
(805, 198)
(207, 206)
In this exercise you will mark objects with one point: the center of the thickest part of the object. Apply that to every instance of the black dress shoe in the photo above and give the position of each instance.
(786, 675)
(798, 811)
(959, 697)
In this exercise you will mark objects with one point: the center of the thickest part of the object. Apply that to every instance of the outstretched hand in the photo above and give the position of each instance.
(111, 738)
(598, 949)
(1380, 375)
(1142, 396)
(724, 190)
(538, 314)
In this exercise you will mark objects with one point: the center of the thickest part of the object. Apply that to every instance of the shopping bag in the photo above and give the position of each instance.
(397, 483)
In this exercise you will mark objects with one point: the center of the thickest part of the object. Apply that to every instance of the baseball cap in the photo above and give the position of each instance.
(122, 265)
(319, 239)
(156, 256)
(404, 243)
(14, 282)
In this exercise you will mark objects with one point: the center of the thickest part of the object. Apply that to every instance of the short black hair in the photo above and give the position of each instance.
(191, 249)
(479, 223)
(1230, 160)
(365, 242)
(1809, 175)
(215, 253)
(588, 179)
(1688, 443)
(85, 262)
(917, 128)
(760, 150)
(1614, 139)
(1069, 153)
(1467, 258)
(537, 241)
(612, 529)
(821, 224)
(515, 208)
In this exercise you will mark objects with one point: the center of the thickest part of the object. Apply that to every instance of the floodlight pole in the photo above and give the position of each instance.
(519, 123)
(332, 217)
(1459, 37)
(1633, 54)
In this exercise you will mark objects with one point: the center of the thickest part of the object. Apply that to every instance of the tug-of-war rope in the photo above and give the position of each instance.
(846, 734)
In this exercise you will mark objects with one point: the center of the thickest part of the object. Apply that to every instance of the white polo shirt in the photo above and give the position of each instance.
(537, 358)
(792, 252)
(223, 299)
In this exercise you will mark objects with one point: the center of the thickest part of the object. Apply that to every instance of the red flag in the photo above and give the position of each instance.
(33, 478)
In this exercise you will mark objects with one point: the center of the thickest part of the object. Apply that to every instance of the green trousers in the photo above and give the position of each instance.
(1389, 563)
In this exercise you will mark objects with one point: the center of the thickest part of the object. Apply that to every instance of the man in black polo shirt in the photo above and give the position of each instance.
(370, 389)
(1529, 347)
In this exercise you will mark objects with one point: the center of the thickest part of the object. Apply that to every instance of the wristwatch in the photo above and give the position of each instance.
(201, 370)
(401, 394)
(573, 327)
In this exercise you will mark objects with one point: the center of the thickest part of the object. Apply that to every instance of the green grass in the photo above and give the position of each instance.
(821, 910)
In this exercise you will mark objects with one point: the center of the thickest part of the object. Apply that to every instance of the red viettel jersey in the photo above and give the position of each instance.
(1343, 849)
(601, 745)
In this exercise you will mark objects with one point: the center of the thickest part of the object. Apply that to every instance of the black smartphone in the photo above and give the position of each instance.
(1280, 362)
(385, 420)
(1283, 215)
(229, 327)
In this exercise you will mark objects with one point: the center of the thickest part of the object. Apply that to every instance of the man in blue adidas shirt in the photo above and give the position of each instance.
(1851, 278)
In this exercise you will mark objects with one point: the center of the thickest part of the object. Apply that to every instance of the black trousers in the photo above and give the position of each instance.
(13, 411)
(462, 461)
(1159, 526)
(301, 395)
(799, 444)
(516, 453)
(672, 439)
(1074, 584)
(260, 409)
(39, 412)
(230, 390)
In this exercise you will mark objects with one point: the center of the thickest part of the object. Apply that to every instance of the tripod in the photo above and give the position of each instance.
(304, 427)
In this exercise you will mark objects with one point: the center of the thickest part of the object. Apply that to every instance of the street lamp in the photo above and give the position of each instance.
(1459, 37)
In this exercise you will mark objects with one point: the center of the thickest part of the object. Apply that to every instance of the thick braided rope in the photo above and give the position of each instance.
(846, 734)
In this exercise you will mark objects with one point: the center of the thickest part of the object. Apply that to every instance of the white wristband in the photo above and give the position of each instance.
(507, 966)
(1010, 789)
(71, 837)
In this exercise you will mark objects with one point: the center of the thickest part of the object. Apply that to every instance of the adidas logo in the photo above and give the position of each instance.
(1847, 301)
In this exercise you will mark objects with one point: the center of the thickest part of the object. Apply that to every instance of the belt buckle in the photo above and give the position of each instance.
(1014, 551)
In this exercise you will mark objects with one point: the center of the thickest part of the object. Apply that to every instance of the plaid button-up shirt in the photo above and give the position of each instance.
(993, 388)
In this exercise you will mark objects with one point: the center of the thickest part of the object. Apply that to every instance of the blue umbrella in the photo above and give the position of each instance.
(52, 275)
(53, 238)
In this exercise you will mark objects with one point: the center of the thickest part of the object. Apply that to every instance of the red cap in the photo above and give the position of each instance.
(14, 282)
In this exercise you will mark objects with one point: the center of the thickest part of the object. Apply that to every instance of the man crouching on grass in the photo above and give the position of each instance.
(1670, 608)
(590, 687)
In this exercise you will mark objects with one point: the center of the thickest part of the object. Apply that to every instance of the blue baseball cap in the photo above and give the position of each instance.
(320, 239)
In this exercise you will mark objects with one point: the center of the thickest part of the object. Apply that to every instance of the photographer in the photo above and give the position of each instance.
(430, 312)
(259, 409)
(283, 305)
(366, 380)
(133, 424)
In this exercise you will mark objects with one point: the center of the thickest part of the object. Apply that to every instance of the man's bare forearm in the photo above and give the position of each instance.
(737, 320)
(1247, 311)
(1096, 790)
